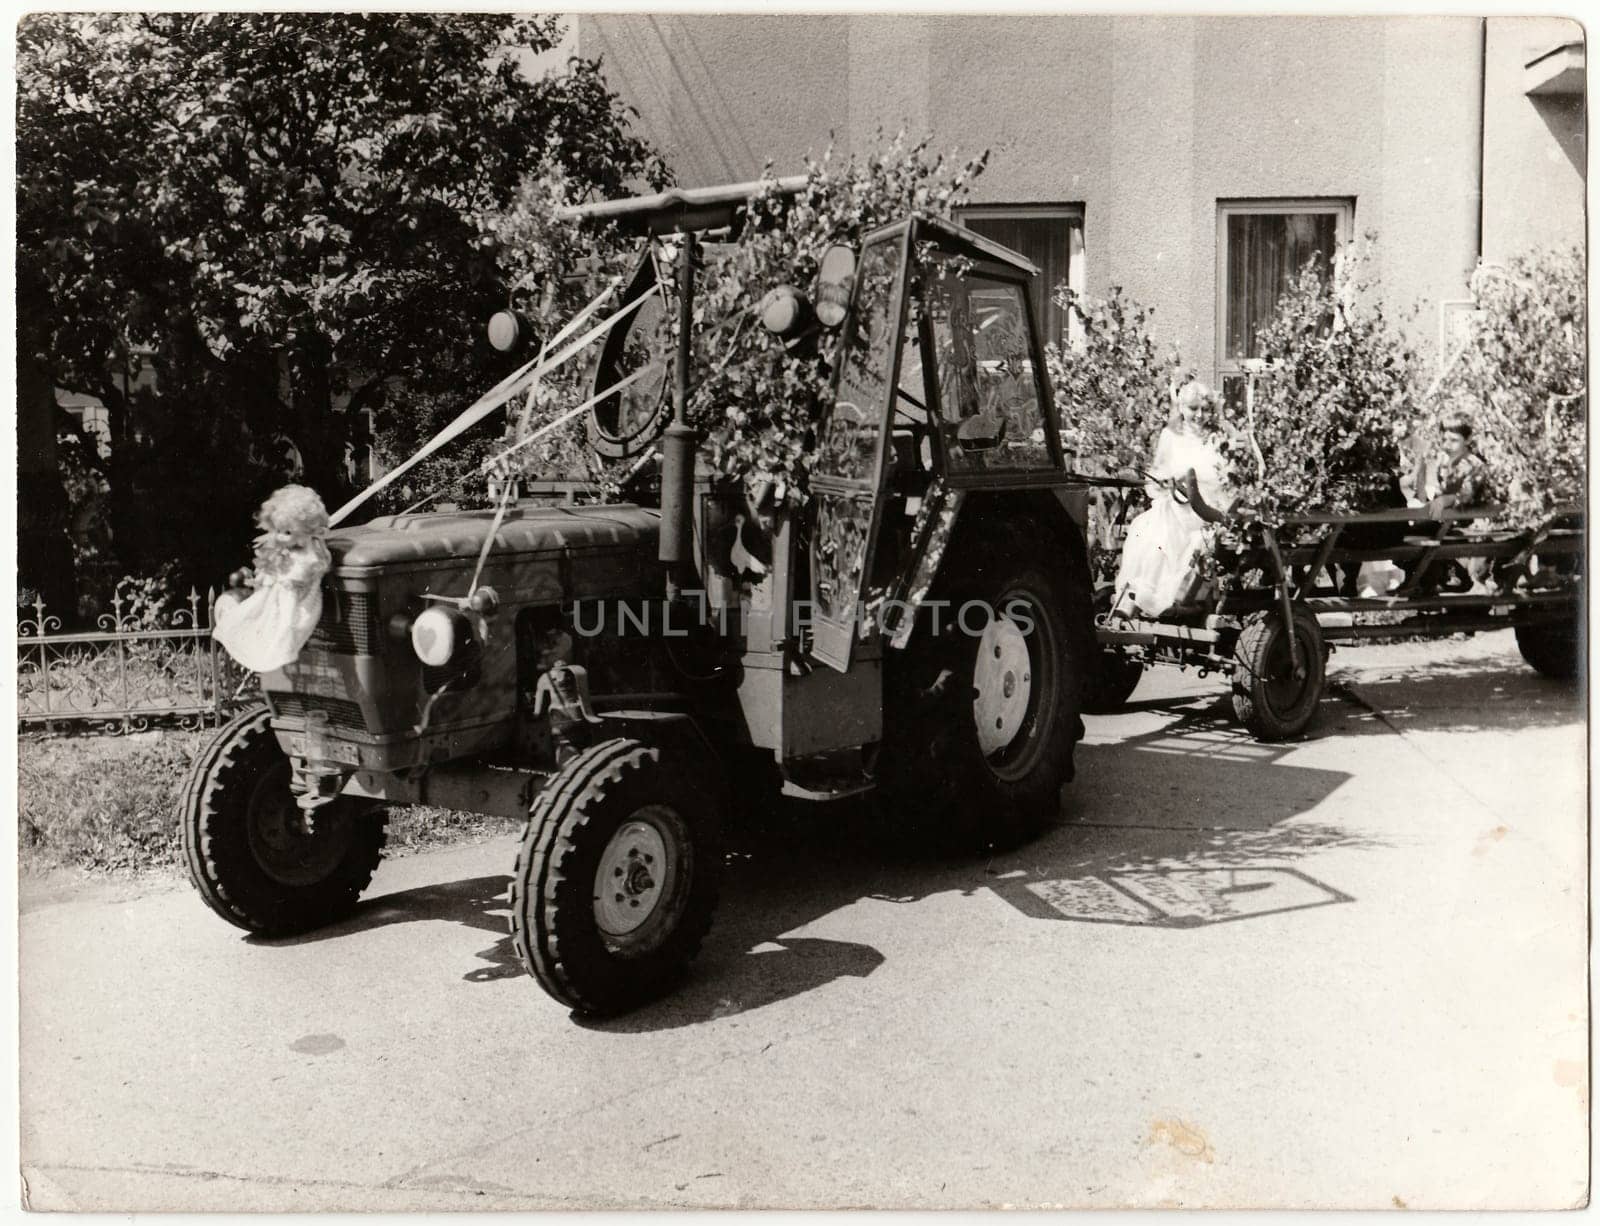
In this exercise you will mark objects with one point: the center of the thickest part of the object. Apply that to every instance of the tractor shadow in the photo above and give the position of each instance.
(1186, 825)
(476, 902)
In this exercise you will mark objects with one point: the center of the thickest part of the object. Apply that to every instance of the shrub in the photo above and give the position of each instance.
(1520, 377)
(1112, 392)
(1335, 396)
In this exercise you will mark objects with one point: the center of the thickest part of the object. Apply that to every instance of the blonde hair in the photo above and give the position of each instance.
(1192, 395)
(294, 508)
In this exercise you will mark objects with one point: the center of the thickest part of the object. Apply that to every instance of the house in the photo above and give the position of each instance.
(1192, 160)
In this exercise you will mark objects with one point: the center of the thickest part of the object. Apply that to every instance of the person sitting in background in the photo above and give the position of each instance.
(1159, 551)
(1456, 478)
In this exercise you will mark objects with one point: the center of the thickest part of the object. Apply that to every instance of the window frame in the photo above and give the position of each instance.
(1342, 208)
(1070, 213)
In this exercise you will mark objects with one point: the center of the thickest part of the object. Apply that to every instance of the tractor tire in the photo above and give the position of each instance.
(616, 879)
(1115, 674)
(1268, 698)
(246, 845)
(1554, 649)
(980, 727)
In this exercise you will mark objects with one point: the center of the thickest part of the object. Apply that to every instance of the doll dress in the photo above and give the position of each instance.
(266, 630)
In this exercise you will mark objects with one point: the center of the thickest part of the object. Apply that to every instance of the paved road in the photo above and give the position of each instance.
(1347, 971)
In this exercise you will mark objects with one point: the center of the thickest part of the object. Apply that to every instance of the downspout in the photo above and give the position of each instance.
(1483, 104)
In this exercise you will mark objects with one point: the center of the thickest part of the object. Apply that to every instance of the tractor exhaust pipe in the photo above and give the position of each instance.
(678, 444)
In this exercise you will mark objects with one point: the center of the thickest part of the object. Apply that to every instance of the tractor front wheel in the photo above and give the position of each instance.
(251, 852)
(616, 879)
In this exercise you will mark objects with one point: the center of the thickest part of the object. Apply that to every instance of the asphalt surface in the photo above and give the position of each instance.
(1348, 971)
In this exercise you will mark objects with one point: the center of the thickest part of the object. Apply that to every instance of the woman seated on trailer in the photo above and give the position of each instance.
(1161, 548)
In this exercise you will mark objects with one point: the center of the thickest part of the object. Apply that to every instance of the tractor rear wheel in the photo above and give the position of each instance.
(250, 851)
(983, 710)
(1272, 698)
(616, 880)
(1553, 649)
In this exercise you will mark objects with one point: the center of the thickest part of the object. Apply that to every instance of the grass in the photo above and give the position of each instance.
(107, 804)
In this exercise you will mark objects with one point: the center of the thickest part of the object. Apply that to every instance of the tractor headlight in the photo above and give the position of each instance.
(836, 276)
(508, 330)
(784, 311)
(440, 635)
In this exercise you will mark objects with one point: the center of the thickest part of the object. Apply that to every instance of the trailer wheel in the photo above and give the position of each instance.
(982, 718)
(1115, 674)
(1269, 697)
(1553, 649)
(247, 846)
(616, 878)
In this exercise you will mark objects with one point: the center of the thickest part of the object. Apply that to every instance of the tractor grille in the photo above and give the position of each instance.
(342, 713)
(349, 624)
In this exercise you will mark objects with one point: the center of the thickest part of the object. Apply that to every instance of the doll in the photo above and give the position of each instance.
(266, 629)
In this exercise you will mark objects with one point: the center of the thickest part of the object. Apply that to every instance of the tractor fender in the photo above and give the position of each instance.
(1059, 513)
(679, 737)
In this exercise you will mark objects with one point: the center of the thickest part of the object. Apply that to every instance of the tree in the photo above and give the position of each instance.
(273, 211)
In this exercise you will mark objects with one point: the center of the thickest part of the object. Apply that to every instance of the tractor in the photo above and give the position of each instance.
(629, 677)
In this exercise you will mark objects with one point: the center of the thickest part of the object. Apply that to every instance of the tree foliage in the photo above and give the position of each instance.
(1521, 377)
(278, 211)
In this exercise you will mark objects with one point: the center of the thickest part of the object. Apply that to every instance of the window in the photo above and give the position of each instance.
(1261, 244)
(989, 401)
(1049, 235)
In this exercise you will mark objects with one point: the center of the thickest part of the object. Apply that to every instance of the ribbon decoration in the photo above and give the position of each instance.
(503, 391)
(561, 420)
(489, 464)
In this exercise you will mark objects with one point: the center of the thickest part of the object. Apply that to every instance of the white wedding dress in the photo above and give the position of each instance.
(1160, 550)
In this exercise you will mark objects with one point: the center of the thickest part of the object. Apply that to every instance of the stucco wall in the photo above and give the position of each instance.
(1145, 121)
(1533, 148)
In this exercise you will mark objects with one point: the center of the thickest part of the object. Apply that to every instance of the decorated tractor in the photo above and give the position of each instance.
(629, 677)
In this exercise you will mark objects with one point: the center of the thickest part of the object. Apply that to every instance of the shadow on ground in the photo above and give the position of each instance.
(1189, 825)
(1466, 697)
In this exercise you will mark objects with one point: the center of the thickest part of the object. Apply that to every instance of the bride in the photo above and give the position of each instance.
(1159, 551)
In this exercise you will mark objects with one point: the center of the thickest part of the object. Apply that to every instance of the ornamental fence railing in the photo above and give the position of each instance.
(124, 676)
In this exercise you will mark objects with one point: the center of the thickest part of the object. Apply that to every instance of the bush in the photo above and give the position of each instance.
(1520, 378)
(1337, 393)
(1112, 392)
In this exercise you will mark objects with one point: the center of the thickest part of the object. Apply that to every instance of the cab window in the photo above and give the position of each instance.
(990, 401)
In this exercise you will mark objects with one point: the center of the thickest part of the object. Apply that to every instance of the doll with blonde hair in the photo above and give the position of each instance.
(266, 629)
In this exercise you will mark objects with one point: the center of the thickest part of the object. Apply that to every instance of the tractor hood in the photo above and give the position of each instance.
(399, 540)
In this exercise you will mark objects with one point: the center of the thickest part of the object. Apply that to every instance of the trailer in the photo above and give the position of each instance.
(1281, 595)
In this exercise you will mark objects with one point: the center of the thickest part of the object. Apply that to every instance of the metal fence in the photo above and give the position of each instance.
(123, 676)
